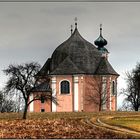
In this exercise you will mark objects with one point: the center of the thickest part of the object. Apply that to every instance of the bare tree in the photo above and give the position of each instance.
(97, 89)
(132, 92)
(22, 78)
(126, 106)
(6, 105)
(18, 98)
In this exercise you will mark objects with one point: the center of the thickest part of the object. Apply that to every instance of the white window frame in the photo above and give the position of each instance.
(60, 87)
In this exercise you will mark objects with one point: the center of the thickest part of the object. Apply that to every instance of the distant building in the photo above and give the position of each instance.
(81, 78)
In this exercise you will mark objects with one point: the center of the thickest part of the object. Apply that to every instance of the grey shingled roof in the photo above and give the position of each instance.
(76, 56)
(105, 68)
(46, 67)
(66, 67)
(81, 52)
(42, 87)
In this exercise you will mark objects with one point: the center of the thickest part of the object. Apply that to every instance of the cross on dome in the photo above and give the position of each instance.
(75, 22)
(100, 29)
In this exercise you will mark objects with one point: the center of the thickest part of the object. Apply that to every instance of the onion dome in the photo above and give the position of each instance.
(100, 41)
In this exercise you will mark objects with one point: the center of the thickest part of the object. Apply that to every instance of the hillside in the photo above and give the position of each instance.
(71, 125)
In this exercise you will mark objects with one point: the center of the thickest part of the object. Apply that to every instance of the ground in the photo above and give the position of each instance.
(71, 125)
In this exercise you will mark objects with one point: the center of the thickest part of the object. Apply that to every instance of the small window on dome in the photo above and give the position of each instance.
(65, 87)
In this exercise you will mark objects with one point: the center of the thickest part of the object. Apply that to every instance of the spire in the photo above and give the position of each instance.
(75, 22)
(101, 42)
(74, 31)
(71, 29)
(100, 29)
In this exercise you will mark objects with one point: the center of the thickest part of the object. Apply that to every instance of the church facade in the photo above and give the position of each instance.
(80, 77)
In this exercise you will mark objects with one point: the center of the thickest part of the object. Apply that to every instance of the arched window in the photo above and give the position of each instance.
(42, 99)
(113, 88)
(65, 87)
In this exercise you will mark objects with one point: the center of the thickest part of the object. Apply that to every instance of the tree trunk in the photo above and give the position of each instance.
(100, 103)
(25, 111)
(100, 107)
(136, 108)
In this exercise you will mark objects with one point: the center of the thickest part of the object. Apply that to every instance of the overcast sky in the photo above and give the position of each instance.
(30, 31)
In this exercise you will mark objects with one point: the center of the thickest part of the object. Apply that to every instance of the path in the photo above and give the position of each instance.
(97, 122)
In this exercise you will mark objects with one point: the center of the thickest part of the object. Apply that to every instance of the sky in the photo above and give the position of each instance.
(31, 31)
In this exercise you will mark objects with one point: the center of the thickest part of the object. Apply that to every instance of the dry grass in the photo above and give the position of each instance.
(131, 122)
(54, 125)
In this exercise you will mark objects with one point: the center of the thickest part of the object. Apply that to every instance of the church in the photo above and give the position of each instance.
(80, 77)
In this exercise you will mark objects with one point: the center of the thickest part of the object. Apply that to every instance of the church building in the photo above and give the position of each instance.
(80, 77)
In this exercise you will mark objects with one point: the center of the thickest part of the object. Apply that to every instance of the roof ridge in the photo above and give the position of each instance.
(98, 65)
(42, 87)
(44, 67)
(106, 68)
(70, 63)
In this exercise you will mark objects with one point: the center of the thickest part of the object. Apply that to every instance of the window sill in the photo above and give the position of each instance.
(65, 94)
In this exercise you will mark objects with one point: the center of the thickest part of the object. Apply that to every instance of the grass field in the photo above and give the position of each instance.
(65, 125)
(129, 122)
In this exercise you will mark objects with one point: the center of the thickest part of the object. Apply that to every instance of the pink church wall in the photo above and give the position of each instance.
(86, 84)
(114, 98)
(89, 84)
(114, 103)
(37, 105)
(65, 100)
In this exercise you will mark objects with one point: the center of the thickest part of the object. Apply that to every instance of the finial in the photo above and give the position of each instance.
(100, 29)
(75, 22)
(71, 29)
